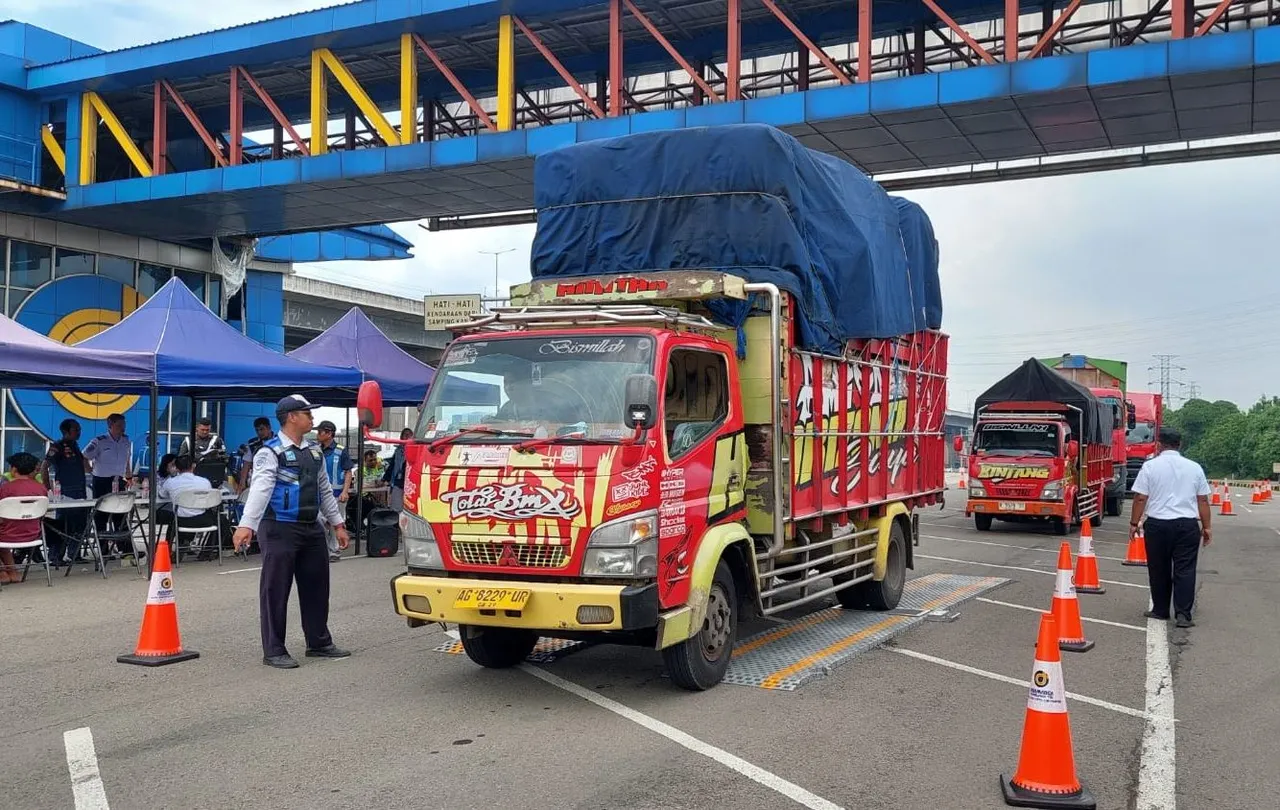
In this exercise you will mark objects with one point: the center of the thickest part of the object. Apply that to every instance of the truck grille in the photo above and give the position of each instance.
(486, 553)
(1014, 490)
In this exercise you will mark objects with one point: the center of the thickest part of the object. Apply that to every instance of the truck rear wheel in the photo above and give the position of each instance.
(496, 647)
(700, 662)
(885, 594)
(1059, 526)
(1113, 506)
(982, 522)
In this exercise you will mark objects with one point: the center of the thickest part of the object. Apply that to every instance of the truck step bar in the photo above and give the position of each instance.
(1087, 504)
(851, 565)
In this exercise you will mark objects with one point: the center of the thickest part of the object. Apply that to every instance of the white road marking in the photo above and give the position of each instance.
(238, 571)
(756, 774)
(453, 634)
(1041, 610)
(996, 676)
(1157, 774)
(1053, 573)
(1009, 545)
(82, 762)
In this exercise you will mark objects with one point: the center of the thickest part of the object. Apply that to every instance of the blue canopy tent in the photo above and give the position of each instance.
(195, 353)
(28, 359)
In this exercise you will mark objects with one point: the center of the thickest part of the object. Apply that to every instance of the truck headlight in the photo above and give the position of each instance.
(623, 548)
(1052, 491)
(420, 547)
(977, 490)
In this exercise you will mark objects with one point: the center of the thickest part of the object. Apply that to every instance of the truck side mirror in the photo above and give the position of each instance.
(1133, 417)
(1073, 449)
(958, 444)
(642, 402)
(369, 404)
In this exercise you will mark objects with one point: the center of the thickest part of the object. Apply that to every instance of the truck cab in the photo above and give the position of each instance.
(1022, 468)
(1142, 438)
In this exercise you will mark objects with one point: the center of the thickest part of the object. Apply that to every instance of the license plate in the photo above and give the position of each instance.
(1013, 506)
(492, 598)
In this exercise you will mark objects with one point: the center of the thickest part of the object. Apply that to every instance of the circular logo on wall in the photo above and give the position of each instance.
(71, 309)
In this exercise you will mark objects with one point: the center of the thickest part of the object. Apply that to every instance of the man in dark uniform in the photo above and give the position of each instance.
(65, 464)
(288, 495)
(208, 443)
(262, 434)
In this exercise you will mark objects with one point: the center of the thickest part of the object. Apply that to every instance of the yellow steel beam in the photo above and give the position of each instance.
(408, 89)
(360, 97)
(319, 106)
(117, 131)
(506, 73)
(54, 149)
(88, 140)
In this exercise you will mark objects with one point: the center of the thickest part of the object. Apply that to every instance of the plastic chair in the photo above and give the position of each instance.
(209, 501)
(28, 508)
(112, 504)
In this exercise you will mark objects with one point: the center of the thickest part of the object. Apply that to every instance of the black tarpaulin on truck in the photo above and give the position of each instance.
(1033, 381)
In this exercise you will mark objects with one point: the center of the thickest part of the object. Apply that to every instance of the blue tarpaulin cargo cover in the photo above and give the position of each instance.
(356, 342)
(198, 354)
(750, 200)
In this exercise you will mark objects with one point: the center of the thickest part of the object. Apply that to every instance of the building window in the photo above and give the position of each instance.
(30, 265)
(72, 262)
(16, 297)
(215, 295)
(194, 281)
(152, 277)
(18, 440)
(117, 268)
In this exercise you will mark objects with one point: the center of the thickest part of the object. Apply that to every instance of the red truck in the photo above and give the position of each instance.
(1041, 451)
(1144, 432)
(1122, 418)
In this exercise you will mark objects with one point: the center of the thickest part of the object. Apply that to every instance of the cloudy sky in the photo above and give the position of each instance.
(1173, 260)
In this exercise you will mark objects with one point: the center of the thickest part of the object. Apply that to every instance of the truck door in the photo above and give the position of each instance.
(704, 480)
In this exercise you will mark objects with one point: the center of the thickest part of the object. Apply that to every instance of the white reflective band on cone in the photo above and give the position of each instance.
(161, 590)
(1065, 588)
(1086, 546)
(1048, 693)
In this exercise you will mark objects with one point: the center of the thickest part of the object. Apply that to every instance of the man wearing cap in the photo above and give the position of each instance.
(338, 466)
(1171, 492)
(289, 495)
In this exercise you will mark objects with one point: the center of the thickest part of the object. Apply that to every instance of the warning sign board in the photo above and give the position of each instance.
(442, 310)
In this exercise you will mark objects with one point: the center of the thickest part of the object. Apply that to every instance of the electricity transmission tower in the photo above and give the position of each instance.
(1164, 375)
(1193, 390)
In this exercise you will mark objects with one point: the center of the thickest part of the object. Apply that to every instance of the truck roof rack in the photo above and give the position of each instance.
(505, 319)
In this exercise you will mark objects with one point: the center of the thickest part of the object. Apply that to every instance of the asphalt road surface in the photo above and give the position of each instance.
(930, 720)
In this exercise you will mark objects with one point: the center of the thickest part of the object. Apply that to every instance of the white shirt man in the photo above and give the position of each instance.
(183, 482)
(1171, 492)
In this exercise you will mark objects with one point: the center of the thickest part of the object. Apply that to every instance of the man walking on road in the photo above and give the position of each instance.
(288, 495)
(1172, 492)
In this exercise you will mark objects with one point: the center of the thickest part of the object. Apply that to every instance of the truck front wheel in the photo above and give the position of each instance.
(496, 647)
(1113, 506)
(700, 662)
(982, 522)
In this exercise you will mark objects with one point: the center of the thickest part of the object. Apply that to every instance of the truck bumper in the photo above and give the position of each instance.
(551, 606)
(994, 506)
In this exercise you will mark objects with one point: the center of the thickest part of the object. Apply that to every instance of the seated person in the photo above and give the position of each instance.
(21, 483)
(183, 480)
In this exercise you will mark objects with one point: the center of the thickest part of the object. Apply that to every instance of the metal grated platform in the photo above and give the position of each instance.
(787, 657)
(544, 652)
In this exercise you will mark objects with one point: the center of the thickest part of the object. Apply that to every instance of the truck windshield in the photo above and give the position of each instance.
(1017, 439)
(1141, 433)
(537, 386)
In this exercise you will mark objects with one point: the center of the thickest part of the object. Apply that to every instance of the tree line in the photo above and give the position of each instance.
(1229, 442)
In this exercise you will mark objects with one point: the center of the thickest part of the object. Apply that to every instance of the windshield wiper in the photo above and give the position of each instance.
(478, 430)
(533, 444)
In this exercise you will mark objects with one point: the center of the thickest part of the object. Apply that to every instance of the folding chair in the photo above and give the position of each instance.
(28, 508)
(113, 505)
(209, 501)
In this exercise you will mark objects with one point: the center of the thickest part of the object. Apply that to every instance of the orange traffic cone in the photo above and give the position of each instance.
(1066, 608)
(1087, 564)
(1137, 554)
(1266, 491)
(158, 641)
(962, 484)
(1046, 774)
(1226, 504)
(1215, 498)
